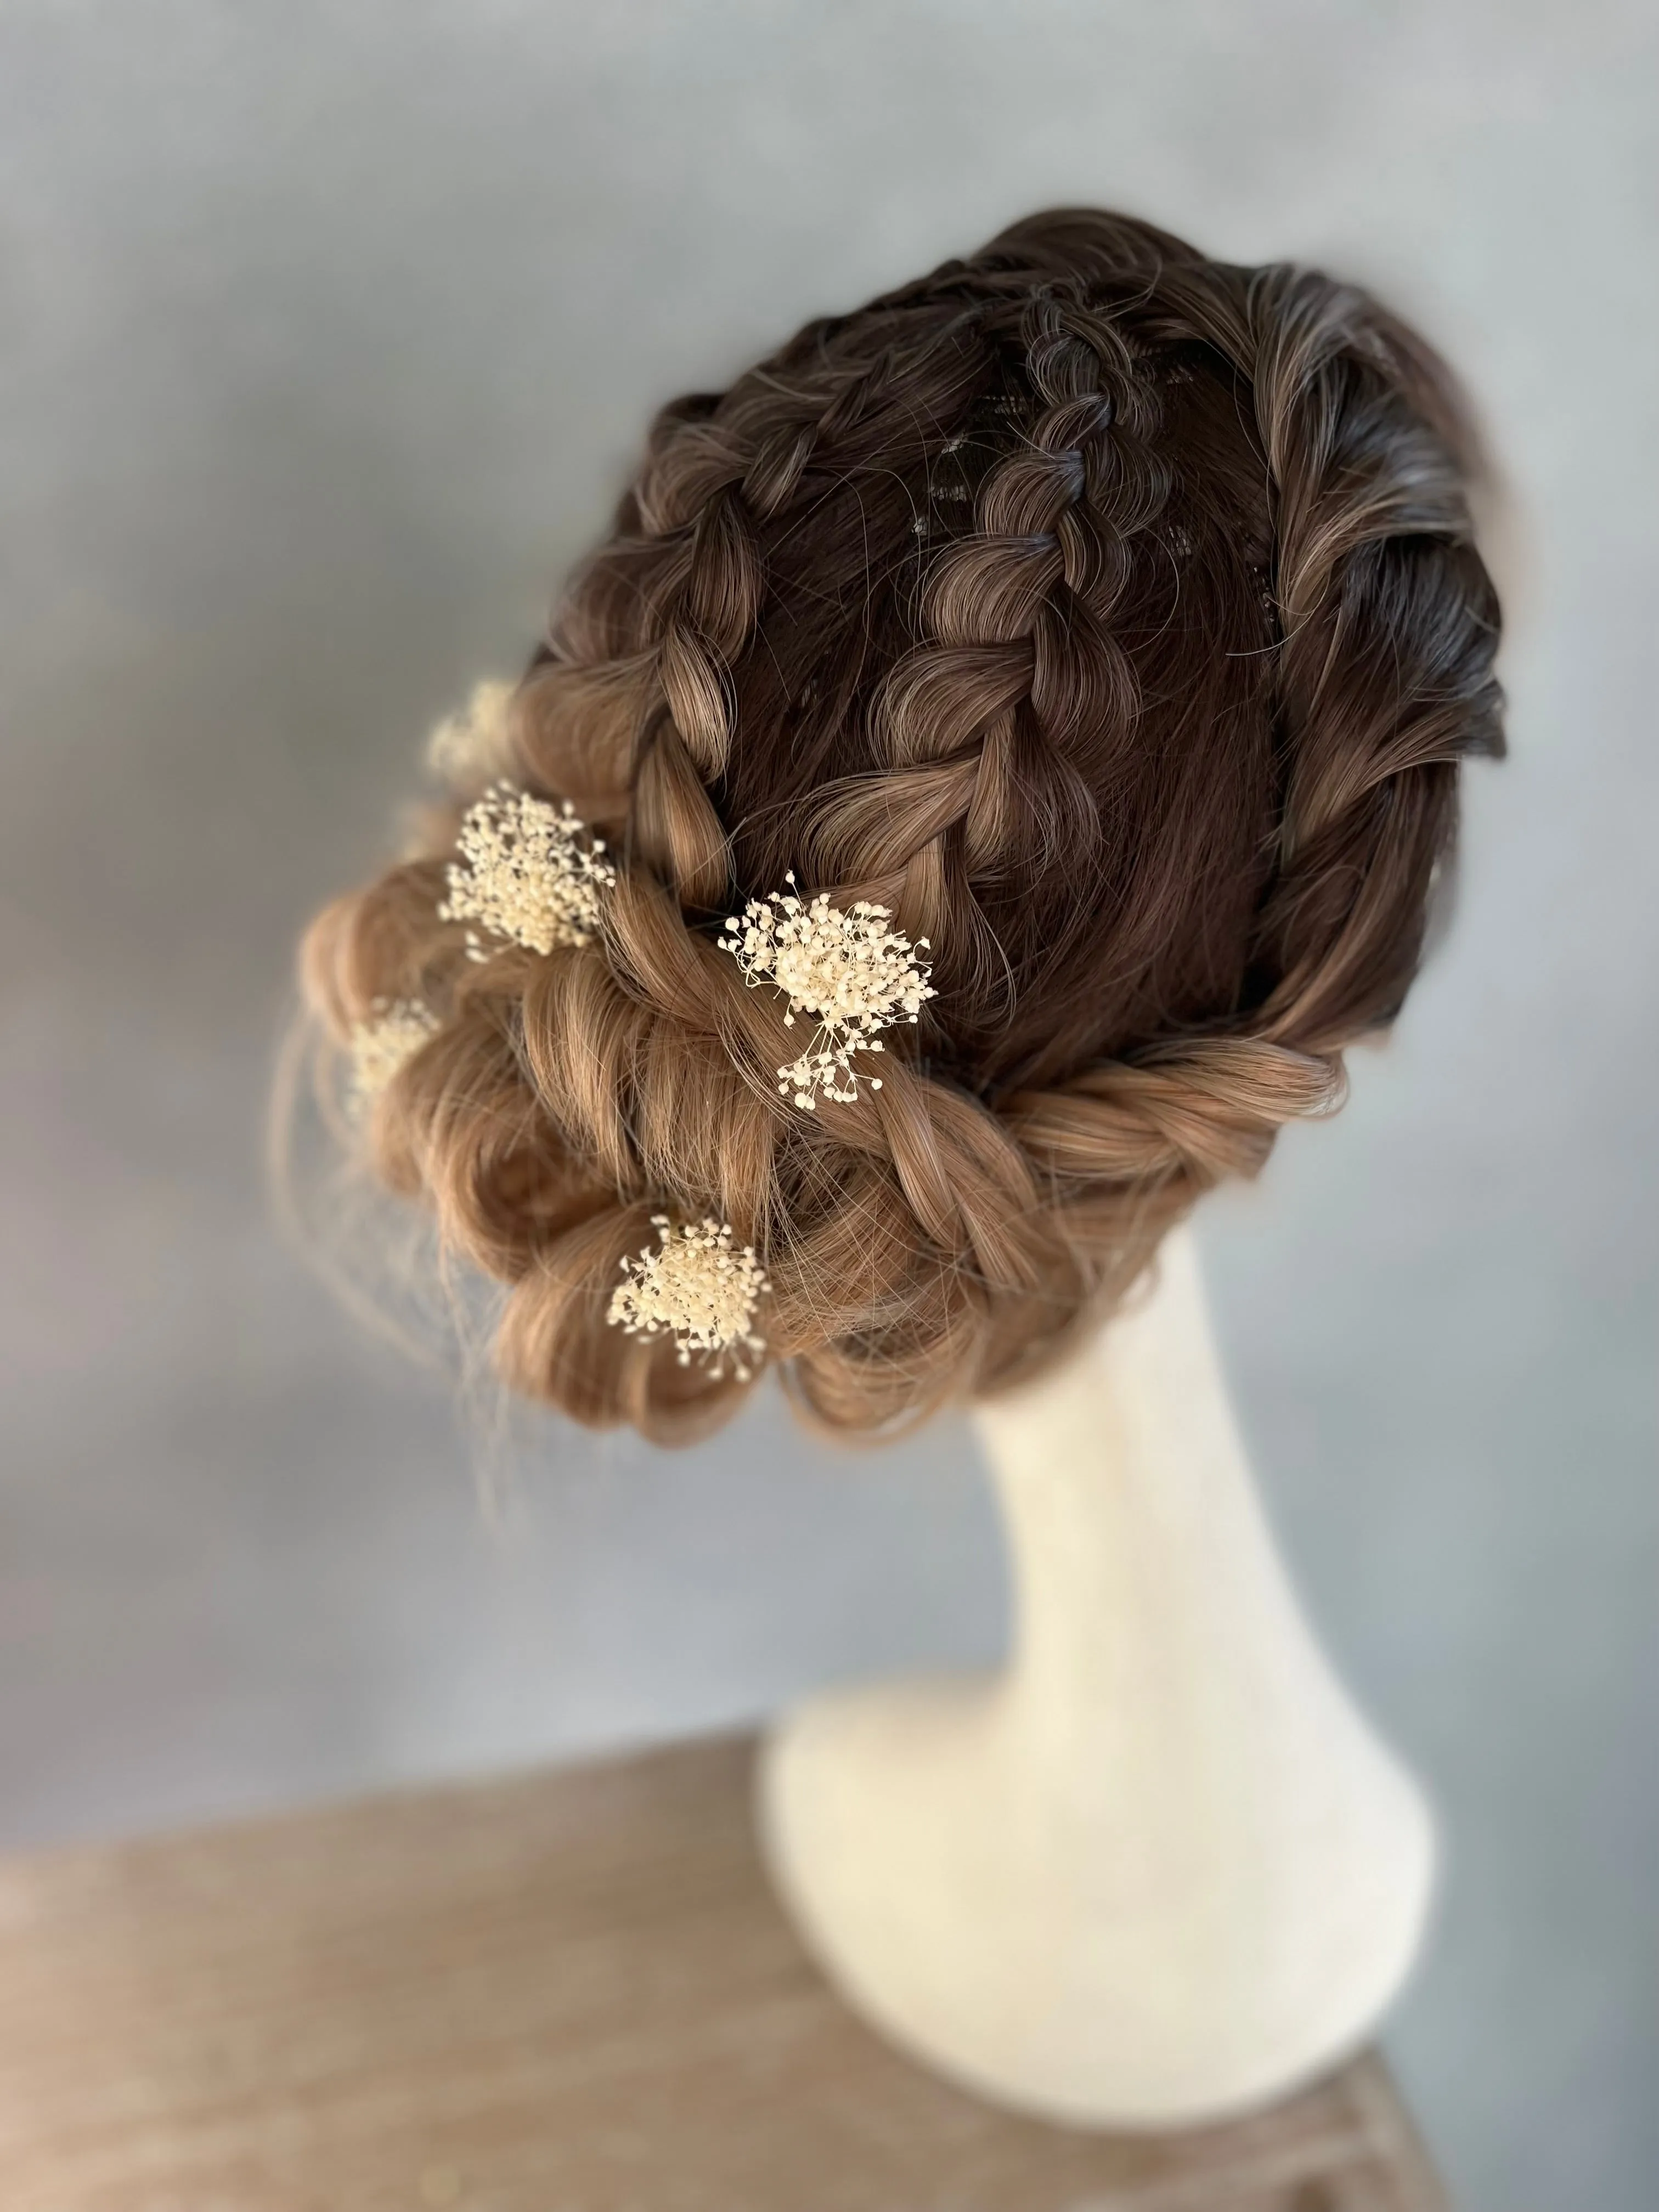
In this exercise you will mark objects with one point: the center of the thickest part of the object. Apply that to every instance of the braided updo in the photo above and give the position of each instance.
(1110, 615)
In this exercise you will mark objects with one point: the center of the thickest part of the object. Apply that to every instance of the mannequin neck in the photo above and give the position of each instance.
(1159, 1869)
(1137, 1540)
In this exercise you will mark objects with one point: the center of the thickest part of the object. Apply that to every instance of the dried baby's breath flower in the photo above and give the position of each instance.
(696, 1286)
(843, 965)
(528, 872)
(469, 746)
(394, 1032)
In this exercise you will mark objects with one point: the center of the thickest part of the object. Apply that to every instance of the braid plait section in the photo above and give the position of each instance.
(1384, 683)
(1383, 686)
(977, 728)
(629, 710)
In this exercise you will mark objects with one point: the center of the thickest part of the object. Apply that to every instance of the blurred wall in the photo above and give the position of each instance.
(325, 335)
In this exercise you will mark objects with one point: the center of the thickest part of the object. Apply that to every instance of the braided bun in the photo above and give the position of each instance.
(1110, 615)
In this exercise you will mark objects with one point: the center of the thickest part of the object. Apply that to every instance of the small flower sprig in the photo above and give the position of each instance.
(394, 1032)
(528, 872)
(473, 744)
(698, 1286)
(843, 966)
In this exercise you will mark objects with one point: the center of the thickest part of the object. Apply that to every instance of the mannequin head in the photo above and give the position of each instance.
(1110, 618)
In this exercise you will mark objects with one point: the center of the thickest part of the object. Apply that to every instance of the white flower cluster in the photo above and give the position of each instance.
(394, 1032)
(697, 1287)
(475, 743)
(527, 872)
(844, 967)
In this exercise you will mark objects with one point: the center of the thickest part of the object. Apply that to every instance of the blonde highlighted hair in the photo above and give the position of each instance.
(1109, 615)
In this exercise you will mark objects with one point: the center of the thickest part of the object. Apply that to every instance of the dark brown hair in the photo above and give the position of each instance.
(1112, 615)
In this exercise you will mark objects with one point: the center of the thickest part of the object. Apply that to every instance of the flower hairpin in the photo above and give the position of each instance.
(528, 873)
(698, 1286)
(392, 1035)
(842, 966)
(474, 743)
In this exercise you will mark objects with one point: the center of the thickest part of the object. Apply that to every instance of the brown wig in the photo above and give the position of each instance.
(1109, 614)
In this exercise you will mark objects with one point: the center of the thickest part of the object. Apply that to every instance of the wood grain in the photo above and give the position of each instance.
(570, 1992)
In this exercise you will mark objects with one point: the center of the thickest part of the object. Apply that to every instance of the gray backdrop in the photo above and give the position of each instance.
(327, 334)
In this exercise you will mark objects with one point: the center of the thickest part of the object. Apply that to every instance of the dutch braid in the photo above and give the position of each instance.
(975, 724)
(1113, 617)
(1381, 693)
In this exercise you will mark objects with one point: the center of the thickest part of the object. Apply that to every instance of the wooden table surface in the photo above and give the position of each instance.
(570, 1992)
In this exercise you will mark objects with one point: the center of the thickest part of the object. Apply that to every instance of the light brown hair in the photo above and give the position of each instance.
(1111, 615)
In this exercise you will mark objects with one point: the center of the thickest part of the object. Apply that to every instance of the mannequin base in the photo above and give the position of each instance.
(1016, 1940)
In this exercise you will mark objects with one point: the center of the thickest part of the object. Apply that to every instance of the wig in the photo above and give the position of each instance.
(1108, 618)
